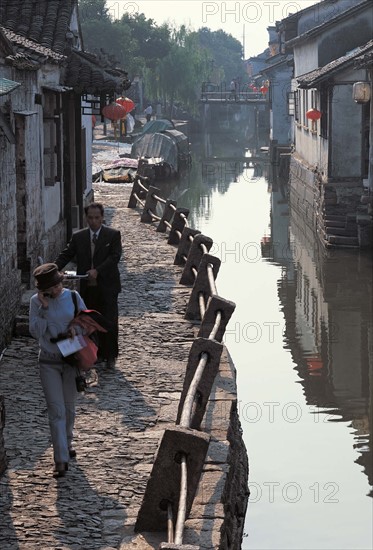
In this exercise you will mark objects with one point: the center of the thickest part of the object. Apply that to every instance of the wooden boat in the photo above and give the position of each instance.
(161, 154)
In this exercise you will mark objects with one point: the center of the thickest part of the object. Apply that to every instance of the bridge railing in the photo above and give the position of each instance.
(239, 97)
(222, 93)
(181, 454)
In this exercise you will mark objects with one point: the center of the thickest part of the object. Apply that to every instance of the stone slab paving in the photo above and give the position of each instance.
(120, 419)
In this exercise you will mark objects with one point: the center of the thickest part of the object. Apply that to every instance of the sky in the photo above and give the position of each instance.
(245, 20)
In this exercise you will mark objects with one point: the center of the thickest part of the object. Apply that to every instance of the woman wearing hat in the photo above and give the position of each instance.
(51, 311)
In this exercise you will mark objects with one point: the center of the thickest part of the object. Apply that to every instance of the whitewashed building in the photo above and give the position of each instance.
(329, 171)
(46, 84)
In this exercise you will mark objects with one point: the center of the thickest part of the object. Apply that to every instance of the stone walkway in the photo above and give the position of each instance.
(119, 420)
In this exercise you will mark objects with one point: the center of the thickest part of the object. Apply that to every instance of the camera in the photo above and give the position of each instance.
(81, 384)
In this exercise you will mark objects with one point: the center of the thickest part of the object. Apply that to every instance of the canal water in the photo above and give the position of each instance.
(301, 340)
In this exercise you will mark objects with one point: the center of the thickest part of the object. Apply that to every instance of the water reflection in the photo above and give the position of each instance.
(326, 298)
(218, 159)
(321, 363)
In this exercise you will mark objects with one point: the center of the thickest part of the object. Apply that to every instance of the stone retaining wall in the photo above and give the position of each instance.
(2, 445)
(339, 211)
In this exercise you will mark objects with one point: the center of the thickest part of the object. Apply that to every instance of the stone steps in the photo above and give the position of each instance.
(338, 230)
(335, 223)
(342, 231)
(343, 240)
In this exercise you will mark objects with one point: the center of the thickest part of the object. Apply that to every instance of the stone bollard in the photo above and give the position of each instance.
(178, 225)
(150, 205)
(185, 245)
(194, 258)
(201, 284)
(3, 461)
(214, 350)
(137, 191)
(216, 304)
(168, 214)
(164, 481)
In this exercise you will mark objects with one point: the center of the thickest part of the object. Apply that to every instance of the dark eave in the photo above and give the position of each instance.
(327, 24)
(364, 61)
(314, 78)
(278, 61)
(295, 16)
(6, 47)
(84, 74)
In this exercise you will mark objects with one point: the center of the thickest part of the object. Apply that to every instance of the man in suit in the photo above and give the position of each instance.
(97, 251)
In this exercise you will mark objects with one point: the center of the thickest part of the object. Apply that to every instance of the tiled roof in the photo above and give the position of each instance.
(84, 74)
(37, 29)
(42, 21)
(313, 78)
(29, 54)
(365, 60)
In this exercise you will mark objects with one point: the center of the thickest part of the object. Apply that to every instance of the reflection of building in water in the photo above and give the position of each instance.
(332, 318)
(276, 246)
(327, 304)
(221, 171)
(258, 159)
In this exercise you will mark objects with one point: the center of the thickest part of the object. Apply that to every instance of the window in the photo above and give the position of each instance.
(314, 106)
(52, 141)
(324, 111)
(291, 103)
(296, 106)
(305, 108)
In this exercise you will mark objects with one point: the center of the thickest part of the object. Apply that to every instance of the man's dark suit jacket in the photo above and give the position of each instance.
(108, 251)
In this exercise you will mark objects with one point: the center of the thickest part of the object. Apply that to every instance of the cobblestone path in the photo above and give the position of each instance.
(119, 420)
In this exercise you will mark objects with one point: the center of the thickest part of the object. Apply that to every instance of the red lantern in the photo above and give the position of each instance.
(114, 111)
(264, 89)
(313, 114)
(126, 102)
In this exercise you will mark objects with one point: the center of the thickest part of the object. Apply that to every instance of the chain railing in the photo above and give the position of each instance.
(181, 454)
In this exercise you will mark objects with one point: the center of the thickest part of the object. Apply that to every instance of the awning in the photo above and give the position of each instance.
(57, 88)
(25, 113)
(7, 86)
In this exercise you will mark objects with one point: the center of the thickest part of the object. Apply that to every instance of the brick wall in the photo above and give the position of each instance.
(10, 279)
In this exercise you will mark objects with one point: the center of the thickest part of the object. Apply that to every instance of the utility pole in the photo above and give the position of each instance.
(243, 41)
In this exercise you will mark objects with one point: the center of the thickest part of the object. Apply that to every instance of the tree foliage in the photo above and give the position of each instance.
(148, 40)
(173, 61)
(224, 52)
(93, 10)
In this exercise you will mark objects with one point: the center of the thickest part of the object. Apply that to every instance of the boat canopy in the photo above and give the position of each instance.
(156, 145)
(158, 125)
